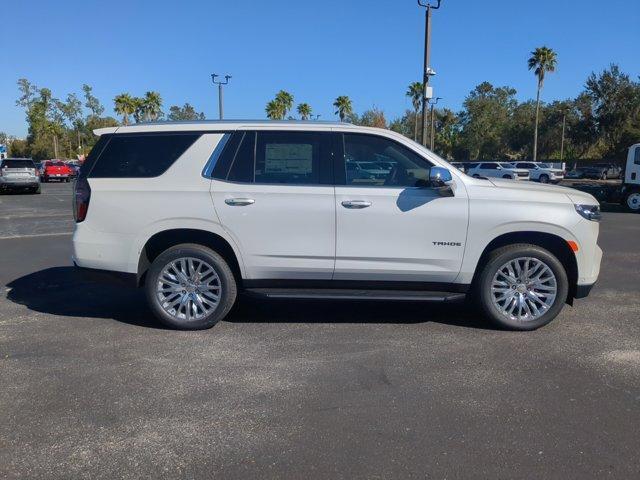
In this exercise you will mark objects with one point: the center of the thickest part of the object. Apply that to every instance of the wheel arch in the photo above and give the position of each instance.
(555, 244)
(161, 241)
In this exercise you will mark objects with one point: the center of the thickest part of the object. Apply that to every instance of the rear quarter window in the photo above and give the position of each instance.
(8, 163)
(138, 156)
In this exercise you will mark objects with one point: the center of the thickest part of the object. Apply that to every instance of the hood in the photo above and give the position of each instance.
(576, 196)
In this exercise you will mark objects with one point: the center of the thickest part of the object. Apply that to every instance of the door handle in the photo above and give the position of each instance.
(356, 204)
(239, 202)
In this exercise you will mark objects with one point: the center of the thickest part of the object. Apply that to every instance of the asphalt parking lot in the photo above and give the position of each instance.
(92, 387)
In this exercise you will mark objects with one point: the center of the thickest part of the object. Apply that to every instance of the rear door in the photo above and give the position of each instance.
(273, 192)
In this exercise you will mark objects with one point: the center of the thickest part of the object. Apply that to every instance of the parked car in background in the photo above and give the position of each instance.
(462, 166)
(19, 174)
(74, 165)
(541, 172)
(608, 170)
(584, 172)
(38, 168)
(498, 170)
(55, 170)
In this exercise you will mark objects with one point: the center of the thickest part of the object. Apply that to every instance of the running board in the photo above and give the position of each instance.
(344, 294)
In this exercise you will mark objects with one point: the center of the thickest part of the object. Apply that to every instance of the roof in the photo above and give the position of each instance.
(218, 125)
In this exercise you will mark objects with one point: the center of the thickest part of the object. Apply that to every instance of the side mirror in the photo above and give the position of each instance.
(441, 180)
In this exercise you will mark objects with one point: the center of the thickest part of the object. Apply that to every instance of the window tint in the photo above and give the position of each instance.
(9, 163)
(376, 161)
(137, 156)
(292, 158)
(637, 156)
(489, 166)
(243, 164)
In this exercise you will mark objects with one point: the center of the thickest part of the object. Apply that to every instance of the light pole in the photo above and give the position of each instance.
(432, 137)
(220, 83)
(564, 124)
(427, 72)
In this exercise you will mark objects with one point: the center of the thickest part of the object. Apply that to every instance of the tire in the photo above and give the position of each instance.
(603, 176)
(544, 178)
(537, 256)
(632, 201)
(475, 175)
(178, 318)
(508, 177)
(36, 190)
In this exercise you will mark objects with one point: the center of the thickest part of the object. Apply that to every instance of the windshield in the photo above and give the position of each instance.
(17, 164)
(544, 165)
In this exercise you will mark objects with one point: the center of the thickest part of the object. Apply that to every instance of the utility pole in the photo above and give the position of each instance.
(434, 102)
(564, 124)
(220, 84)
(427, 72)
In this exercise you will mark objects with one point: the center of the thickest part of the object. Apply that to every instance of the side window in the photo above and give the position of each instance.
(636, 159)
(243, 164)
(377, 161)
(489, 166)
(140, 156)
(293, 158)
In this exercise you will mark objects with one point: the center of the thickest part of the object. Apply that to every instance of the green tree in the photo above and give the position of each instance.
(414, 92)
(125, 105)
(285, 99)
(152, 106)
(275, 110)
(542, 61)
(343, 106)
(447, 132)
(373, 117)
(91, 102)
(304, 110)
(615, 100)
(184, 113)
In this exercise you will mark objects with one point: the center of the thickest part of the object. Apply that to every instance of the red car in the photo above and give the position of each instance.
(55, 170)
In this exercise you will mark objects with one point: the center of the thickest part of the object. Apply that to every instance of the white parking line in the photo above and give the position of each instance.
(9, 237)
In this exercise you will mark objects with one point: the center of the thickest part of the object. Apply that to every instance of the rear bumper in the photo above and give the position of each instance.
(10, 184)
(96, 275)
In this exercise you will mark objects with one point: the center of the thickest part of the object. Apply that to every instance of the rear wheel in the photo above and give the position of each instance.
(522, 287)
(632, 201)
(190, 287)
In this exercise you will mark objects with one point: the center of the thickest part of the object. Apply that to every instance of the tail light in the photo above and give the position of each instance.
(81, 197)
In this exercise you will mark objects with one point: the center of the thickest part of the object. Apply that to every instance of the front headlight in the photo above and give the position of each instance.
(590, 212)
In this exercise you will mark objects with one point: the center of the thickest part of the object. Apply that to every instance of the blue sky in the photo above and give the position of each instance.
(317, 50)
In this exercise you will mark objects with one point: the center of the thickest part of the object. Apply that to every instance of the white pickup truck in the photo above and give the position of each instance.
(541, 172)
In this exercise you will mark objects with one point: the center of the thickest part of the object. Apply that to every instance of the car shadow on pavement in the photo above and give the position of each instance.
(63, 291)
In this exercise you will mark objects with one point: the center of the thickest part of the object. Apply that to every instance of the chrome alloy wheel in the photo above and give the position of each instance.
(524, 289)
(188, 289)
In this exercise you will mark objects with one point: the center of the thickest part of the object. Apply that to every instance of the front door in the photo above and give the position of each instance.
(277, 202)
(391, 225)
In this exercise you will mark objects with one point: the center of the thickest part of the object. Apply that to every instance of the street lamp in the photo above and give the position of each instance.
(220, 83)
(434, 102)
(428, 71)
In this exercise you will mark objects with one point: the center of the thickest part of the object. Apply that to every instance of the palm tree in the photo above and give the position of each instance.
(343, 106)
(304, 110)
(542, 60)
(415, 94)
(125, 105)
(285, 99)
(275, 110)
(152, 106)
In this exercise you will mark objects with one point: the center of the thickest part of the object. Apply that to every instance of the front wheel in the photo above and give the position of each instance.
(522, 287)
(632, 201)
(544, 178)
(190, 287)
(508, 177)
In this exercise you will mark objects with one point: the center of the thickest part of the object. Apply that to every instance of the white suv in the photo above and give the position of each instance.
(541, 172)
(498, 170)
(197, 212)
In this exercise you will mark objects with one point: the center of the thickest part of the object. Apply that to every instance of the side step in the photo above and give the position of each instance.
(344, 294)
